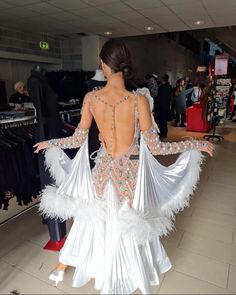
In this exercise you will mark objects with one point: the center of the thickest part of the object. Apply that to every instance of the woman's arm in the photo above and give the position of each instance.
(79, 136)
(151, 137)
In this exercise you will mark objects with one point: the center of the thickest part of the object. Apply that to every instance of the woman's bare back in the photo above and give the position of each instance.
(114, 113)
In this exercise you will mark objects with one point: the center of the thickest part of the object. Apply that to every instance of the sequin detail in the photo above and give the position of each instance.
(122, 171)
(157, 147)
(74, 141)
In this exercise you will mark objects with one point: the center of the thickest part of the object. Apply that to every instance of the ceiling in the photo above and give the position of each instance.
(121, 17)
(227, 36)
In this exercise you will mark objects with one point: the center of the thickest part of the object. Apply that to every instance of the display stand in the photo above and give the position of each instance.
(54, 245)
(218, 94)
(214, 122)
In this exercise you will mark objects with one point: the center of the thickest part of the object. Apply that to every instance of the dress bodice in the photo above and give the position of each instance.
(122, 169)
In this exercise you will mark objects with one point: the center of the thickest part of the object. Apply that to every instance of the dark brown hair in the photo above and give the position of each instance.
(116, 55)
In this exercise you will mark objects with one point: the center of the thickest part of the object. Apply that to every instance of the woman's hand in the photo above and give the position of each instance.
(41, 146)
(207, 147)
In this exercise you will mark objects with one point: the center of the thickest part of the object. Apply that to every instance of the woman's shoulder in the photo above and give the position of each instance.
(142, 98)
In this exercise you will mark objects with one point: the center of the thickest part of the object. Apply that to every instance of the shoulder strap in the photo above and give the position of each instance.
(136, 103)
(87, 100)
(136, 112)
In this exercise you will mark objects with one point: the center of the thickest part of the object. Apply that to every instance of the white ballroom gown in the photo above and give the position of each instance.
(120, 209)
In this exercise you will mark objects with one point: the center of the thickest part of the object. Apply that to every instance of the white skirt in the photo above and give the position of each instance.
(110, 241)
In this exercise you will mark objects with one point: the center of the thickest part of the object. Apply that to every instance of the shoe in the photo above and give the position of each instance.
(182, 125)
(57, 276)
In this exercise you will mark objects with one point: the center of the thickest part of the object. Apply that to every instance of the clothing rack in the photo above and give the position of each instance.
(69, 126)
(17, 158)
(17, 122)
(67, 115)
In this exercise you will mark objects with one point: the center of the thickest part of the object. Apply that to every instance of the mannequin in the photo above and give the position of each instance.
(45, 102)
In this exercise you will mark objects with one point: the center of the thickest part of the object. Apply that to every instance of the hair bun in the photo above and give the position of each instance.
(125, 68)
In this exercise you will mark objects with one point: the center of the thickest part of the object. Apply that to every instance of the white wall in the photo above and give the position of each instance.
(91, 47)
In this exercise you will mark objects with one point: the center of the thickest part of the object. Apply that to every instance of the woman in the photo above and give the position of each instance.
(128, 201)
(20, 96)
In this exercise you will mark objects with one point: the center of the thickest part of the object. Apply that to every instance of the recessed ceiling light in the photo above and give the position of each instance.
(108, 33)
(149, 28)
(199, 22)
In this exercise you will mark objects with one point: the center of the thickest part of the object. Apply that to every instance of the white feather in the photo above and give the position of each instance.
(142, 227)
(53, 158)
(187, 185)
(54, 205)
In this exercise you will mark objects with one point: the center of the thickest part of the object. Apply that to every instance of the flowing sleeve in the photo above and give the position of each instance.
(157, 147)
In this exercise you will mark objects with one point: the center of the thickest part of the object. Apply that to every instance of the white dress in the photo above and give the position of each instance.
(120, 209)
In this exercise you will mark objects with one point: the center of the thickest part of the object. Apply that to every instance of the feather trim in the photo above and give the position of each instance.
(142, 227)
(54, 157)
(54, 205)
(186, 187)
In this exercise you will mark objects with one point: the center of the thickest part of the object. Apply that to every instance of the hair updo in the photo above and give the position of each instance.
(117, 56)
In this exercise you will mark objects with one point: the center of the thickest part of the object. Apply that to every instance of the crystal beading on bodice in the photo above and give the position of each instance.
(122, 170)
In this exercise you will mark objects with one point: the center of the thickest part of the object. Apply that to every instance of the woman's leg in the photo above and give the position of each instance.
(61, 266)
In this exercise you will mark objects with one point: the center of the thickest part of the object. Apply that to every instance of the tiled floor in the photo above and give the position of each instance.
(202, 248)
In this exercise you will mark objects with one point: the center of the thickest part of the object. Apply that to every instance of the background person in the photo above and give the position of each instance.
(20, 96)
(162, 107)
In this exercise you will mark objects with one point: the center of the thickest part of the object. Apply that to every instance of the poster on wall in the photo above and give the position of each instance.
(221, 64)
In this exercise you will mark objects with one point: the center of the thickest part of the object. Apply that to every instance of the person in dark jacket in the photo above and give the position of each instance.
(20, 96)
(162, 107)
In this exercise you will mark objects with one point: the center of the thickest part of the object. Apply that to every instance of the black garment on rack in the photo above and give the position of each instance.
(49, 126)
(68, 84)
(18, 169)
(47, 109)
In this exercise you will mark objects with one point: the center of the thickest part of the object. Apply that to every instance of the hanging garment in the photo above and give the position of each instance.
(19, 170)
(121, 208)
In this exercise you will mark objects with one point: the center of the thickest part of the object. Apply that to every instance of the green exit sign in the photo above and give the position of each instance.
(44, 45)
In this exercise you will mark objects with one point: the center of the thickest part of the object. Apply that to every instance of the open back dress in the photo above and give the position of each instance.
(122, 207)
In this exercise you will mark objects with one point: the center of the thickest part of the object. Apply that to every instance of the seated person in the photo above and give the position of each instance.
(20, 96)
